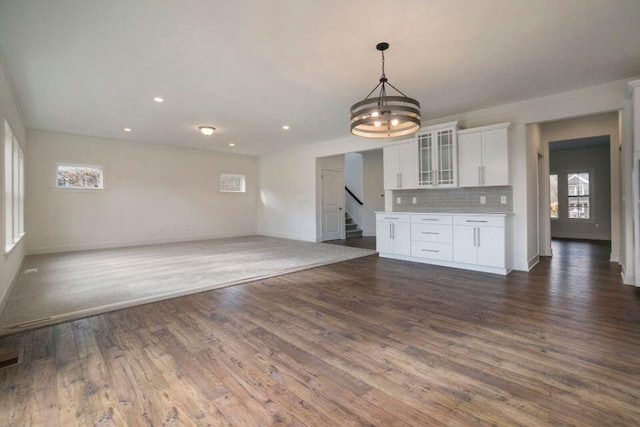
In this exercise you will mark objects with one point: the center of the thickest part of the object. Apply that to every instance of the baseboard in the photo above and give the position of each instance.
(533, 262)
(627, 279)
(614, 257)
(303, 237)
(110, 245)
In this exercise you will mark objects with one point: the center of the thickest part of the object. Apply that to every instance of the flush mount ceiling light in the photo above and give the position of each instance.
(385, 116)
(207, 130)
(158, 99)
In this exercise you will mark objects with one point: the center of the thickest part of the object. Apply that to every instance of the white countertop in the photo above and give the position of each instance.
(447, 213)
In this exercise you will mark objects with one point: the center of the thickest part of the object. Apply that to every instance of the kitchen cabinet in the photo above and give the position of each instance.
(483, 156)
(479, 240)
(401, 166)
(393, 234)
(438, 156)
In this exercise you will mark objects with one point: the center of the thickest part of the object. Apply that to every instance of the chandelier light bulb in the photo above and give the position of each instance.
(394, 122)
(377, 123)
(375, 114)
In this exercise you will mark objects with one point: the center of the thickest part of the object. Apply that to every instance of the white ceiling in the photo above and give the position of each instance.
(246, 67)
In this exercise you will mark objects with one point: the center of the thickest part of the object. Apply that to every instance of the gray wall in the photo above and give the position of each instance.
(595, 160)
(464, 200)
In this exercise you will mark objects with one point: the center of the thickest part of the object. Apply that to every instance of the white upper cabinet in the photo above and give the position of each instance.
(401, 166)
(484, 156)
(438, 156)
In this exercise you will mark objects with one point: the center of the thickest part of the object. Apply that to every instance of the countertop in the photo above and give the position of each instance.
(447, 213)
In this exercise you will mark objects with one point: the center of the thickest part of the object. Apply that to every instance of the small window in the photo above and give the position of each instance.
(90, 177)
(232, 183)
(579, 196)
(553, 195)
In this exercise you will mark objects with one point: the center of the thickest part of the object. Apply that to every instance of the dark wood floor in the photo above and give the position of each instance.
(365, 342)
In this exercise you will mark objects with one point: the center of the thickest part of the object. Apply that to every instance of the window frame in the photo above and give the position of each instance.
(557, 175)
(244, 183)
(54, 175)
(577, 196)
(13, 197)
(563, 195)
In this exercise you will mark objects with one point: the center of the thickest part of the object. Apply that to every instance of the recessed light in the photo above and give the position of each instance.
(207, 130)
(158, 99)
(232, 145)
(127, 129)
(286, 127)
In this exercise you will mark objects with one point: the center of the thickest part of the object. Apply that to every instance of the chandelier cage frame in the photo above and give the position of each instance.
(385, 116)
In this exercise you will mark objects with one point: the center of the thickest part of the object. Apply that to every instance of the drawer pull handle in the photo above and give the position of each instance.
(475, 220)
(429, 232)
(390, 217)
(429, 250)
(430, 219)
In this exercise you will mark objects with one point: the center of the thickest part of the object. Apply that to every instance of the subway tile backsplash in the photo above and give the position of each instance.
(465, 200)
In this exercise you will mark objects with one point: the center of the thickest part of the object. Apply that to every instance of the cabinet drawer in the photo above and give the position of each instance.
(431, 219)
(479, 220)
(432, 233)
(431, 250)
(391, 217)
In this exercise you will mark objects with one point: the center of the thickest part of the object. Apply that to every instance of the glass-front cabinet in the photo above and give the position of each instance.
(438, 156)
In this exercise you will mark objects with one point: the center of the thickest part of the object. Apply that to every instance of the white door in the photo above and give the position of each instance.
(383, 237)
(409, 165)
(495, 157)
(469, 159)
(391, 166)
(332, 204)
(491, 250)
(464, 244)
(401, 238)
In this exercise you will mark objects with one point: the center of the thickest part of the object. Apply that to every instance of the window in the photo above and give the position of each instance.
(89, 177)
(579, 200)
(232, 183)
(553, 195)
(13, 188)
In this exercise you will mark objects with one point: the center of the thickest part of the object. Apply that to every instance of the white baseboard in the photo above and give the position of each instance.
(614, 257)
(533, 262)
(110, 245)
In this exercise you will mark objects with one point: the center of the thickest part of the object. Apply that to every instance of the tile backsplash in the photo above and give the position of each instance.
(465, 200)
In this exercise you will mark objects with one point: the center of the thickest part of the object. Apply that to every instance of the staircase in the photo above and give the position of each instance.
(352, 229)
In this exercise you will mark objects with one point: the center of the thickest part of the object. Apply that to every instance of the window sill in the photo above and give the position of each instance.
(9, 248)
(77, 190)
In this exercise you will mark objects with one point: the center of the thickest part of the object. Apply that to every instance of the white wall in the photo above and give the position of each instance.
(288, 183)
(373, 193)
(584, 127)
(153, 194)
(9, 263)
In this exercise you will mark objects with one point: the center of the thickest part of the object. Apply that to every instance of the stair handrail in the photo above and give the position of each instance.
(353, 195)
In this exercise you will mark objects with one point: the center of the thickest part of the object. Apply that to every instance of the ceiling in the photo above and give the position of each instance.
(92, 67)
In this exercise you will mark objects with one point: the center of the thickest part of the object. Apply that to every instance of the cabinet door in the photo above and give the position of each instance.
(495, 157)
(469, 159)
(464, 248)
(491, 246)
(391, 166)
(409, 165)
(401, 238)
(383, 237)
(426, 173)
(446, 158)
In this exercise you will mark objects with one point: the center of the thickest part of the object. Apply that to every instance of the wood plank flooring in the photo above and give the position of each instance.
(364, 342)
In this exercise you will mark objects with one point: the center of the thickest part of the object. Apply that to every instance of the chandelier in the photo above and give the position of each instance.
(385, 116)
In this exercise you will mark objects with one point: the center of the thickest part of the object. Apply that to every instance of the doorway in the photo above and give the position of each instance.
(332, 204)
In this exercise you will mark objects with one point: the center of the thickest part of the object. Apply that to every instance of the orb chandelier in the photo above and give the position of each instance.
(385, 116)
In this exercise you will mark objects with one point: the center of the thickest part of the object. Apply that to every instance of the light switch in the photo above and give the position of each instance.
(483, 200)
(503, 200)
(398, 200)
(414, 200)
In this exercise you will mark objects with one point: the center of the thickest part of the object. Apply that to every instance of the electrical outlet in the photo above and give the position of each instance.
(398, 200)
(503, 200)
(483, 200)
(414, 200)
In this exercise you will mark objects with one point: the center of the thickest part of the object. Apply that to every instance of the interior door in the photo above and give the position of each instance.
(332, 205)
